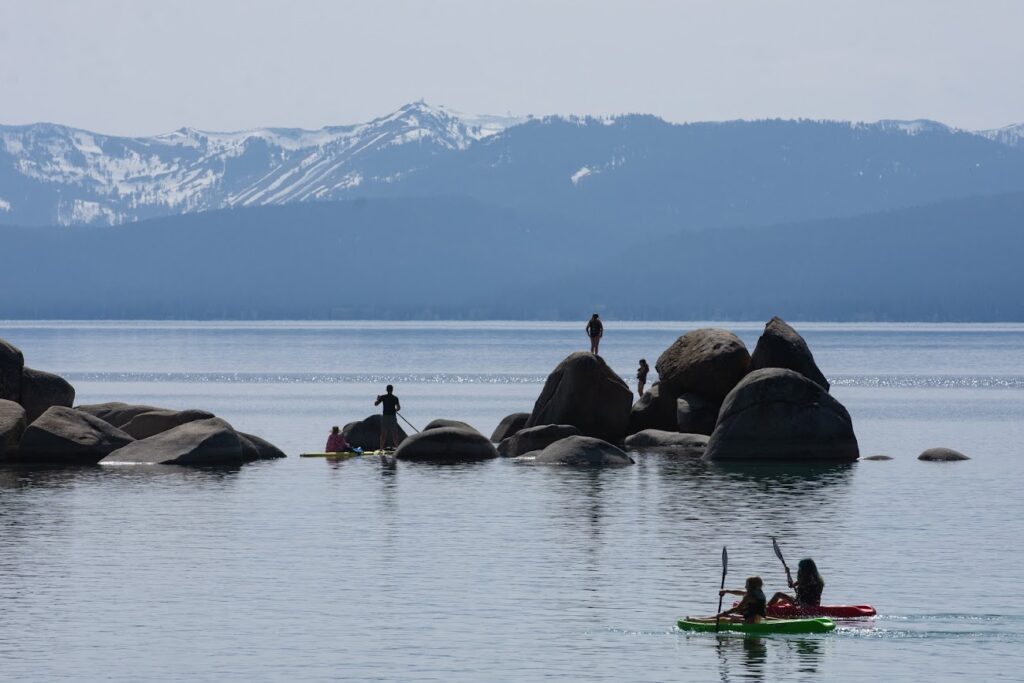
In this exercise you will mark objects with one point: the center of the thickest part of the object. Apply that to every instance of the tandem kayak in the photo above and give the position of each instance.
(765, 627)
(835, 611)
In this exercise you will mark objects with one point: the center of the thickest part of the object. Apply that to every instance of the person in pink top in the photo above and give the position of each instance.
(336, 442)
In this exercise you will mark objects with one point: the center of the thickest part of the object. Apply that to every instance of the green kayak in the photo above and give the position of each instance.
(765, 627)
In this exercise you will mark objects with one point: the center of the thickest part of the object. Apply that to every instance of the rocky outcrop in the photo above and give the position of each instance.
(40, 390)
(509, 425)
(454, 424)
(145, 425)
(582, 451)
(656, 409)
(204, 443)
(365, 434)
(656, 439)
(708, 361)
(445, 446)
(12, 363)
(66, 435)
(116, 413)
(256, 448)
(778, 414)
(584, 392)
(696, 414)
(12, 425)
(534, 439)
(942, 455)
(780, 346)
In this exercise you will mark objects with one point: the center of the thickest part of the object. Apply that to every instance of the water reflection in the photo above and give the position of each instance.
(746, 658)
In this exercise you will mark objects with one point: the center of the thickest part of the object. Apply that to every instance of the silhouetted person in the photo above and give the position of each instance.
(595, 330)
(641, 376)
(389, 420)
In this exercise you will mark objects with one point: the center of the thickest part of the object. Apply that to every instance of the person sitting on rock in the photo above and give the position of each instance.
(389, 420)
(336, 442)
(753, 607)
(641, 376)
(808, 586)
(595, 330)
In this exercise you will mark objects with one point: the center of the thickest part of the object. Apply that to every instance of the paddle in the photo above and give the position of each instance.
(407, 422)
(725, 567)
(778, 554)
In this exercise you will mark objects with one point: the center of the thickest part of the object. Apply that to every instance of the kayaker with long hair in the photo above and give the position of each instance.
(808, 586)
(752, 607)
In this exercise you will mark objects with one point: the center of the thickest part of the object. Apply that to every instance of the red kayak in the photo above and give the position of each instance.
(786, 610)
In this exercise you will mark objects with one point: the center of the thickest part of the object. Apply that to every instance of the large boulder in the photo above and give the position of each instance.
(12, 363)
(658, 440)
(365, 434)
(780, 346)
(12, 425)
(204, 443)
(582, 451)
(778, 414)
(454, 424)
(584, 392)
(707, 361)
(40, 390)
(145, 425)
(509, 425)
(257, 448)
(446, 445)
(534, 439)
(656, 409)
(66, 435)
(696, 414)
(942, 455)
(115, 412)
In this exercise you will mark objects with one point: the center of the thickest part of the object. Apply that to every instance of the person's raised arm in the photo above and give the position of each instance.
(379, 399)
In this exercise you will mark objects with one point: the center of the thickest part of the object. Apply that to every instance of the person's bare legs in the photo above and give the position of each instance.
(640, 389)
(781, 597)
(595, 342)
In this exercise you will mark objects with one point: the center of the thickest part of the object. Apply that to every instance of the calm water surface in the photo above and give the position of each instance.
(307, 570)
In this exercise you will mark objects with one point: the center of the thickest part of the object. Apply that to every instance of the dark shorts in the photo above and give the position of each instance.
(389, 423)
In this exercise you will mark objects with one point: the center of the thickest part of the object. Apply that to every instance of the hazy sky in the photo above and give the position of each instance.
(145, 67)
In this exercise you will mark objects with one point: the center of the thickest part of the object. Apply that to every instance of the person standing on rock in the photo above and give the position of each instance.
(595, 330)
(641, 376)
(389, 420)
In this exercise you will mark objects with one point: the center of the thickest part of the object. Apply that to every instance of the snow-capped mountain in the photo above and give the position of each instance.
(1011, 136)
(55, 174)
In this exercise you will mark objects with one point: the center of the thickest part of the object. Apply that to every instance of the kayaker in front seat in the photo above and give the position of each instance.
(753, 607)
(808, 586)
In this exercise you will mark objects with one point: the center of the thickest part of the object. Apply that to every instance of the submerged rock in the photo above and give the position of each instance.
(115, 412)
(584, 392)
(656, 409)
(41, 390)
(509, 425)
(12, 425)
(708, 361)
(696, 414)
(365, 434)
(778, 414)
(446, 445)
(145, 425)
(582, 451)
(780, 346)
(877, 457)
(942, 455)
(534, 439)
(656, 439)
(210, 442)
(12, 363)
(66, 435)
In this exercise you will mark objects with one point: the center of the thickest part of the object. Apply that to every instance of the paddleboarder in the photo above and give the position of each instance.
(808, 586)
(595, 330)
(336, 442)
(753, 606)
(389, 418)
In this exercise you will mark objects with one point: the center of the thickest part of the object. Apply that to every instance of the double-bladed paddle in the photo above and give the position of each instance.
(725, 568)
(778, 554)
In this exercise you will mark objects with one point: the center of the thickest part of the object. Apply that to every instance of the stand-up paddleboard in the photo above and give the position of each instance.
(343, 454)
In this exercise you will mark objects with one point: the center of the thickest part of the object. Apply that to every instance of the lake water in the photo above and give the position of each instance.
(302, 569)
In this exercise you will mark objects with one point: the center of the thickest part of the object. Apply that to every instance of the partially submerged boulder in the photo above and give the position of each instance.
(707, 361)
(365, 434)
(878, 457)
(942, 455)
(454, 424)
(656, 409)
(12, 425)
(509, 425)
(778, 414)
(780, 346)
(656, 439)
(145, 425)
(446, 445)
(211, 442)
(696, 414)
(584, 392)
(115, 412)
(40, 390)
(12, 363)
(582, 451)
(66, 435)
(257, 448)
(534, 439)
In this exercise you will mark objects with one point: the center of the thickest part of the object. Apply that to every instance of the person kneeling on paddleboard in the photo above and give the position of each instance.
(808, 586)
(336, 442)
(753, 607)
